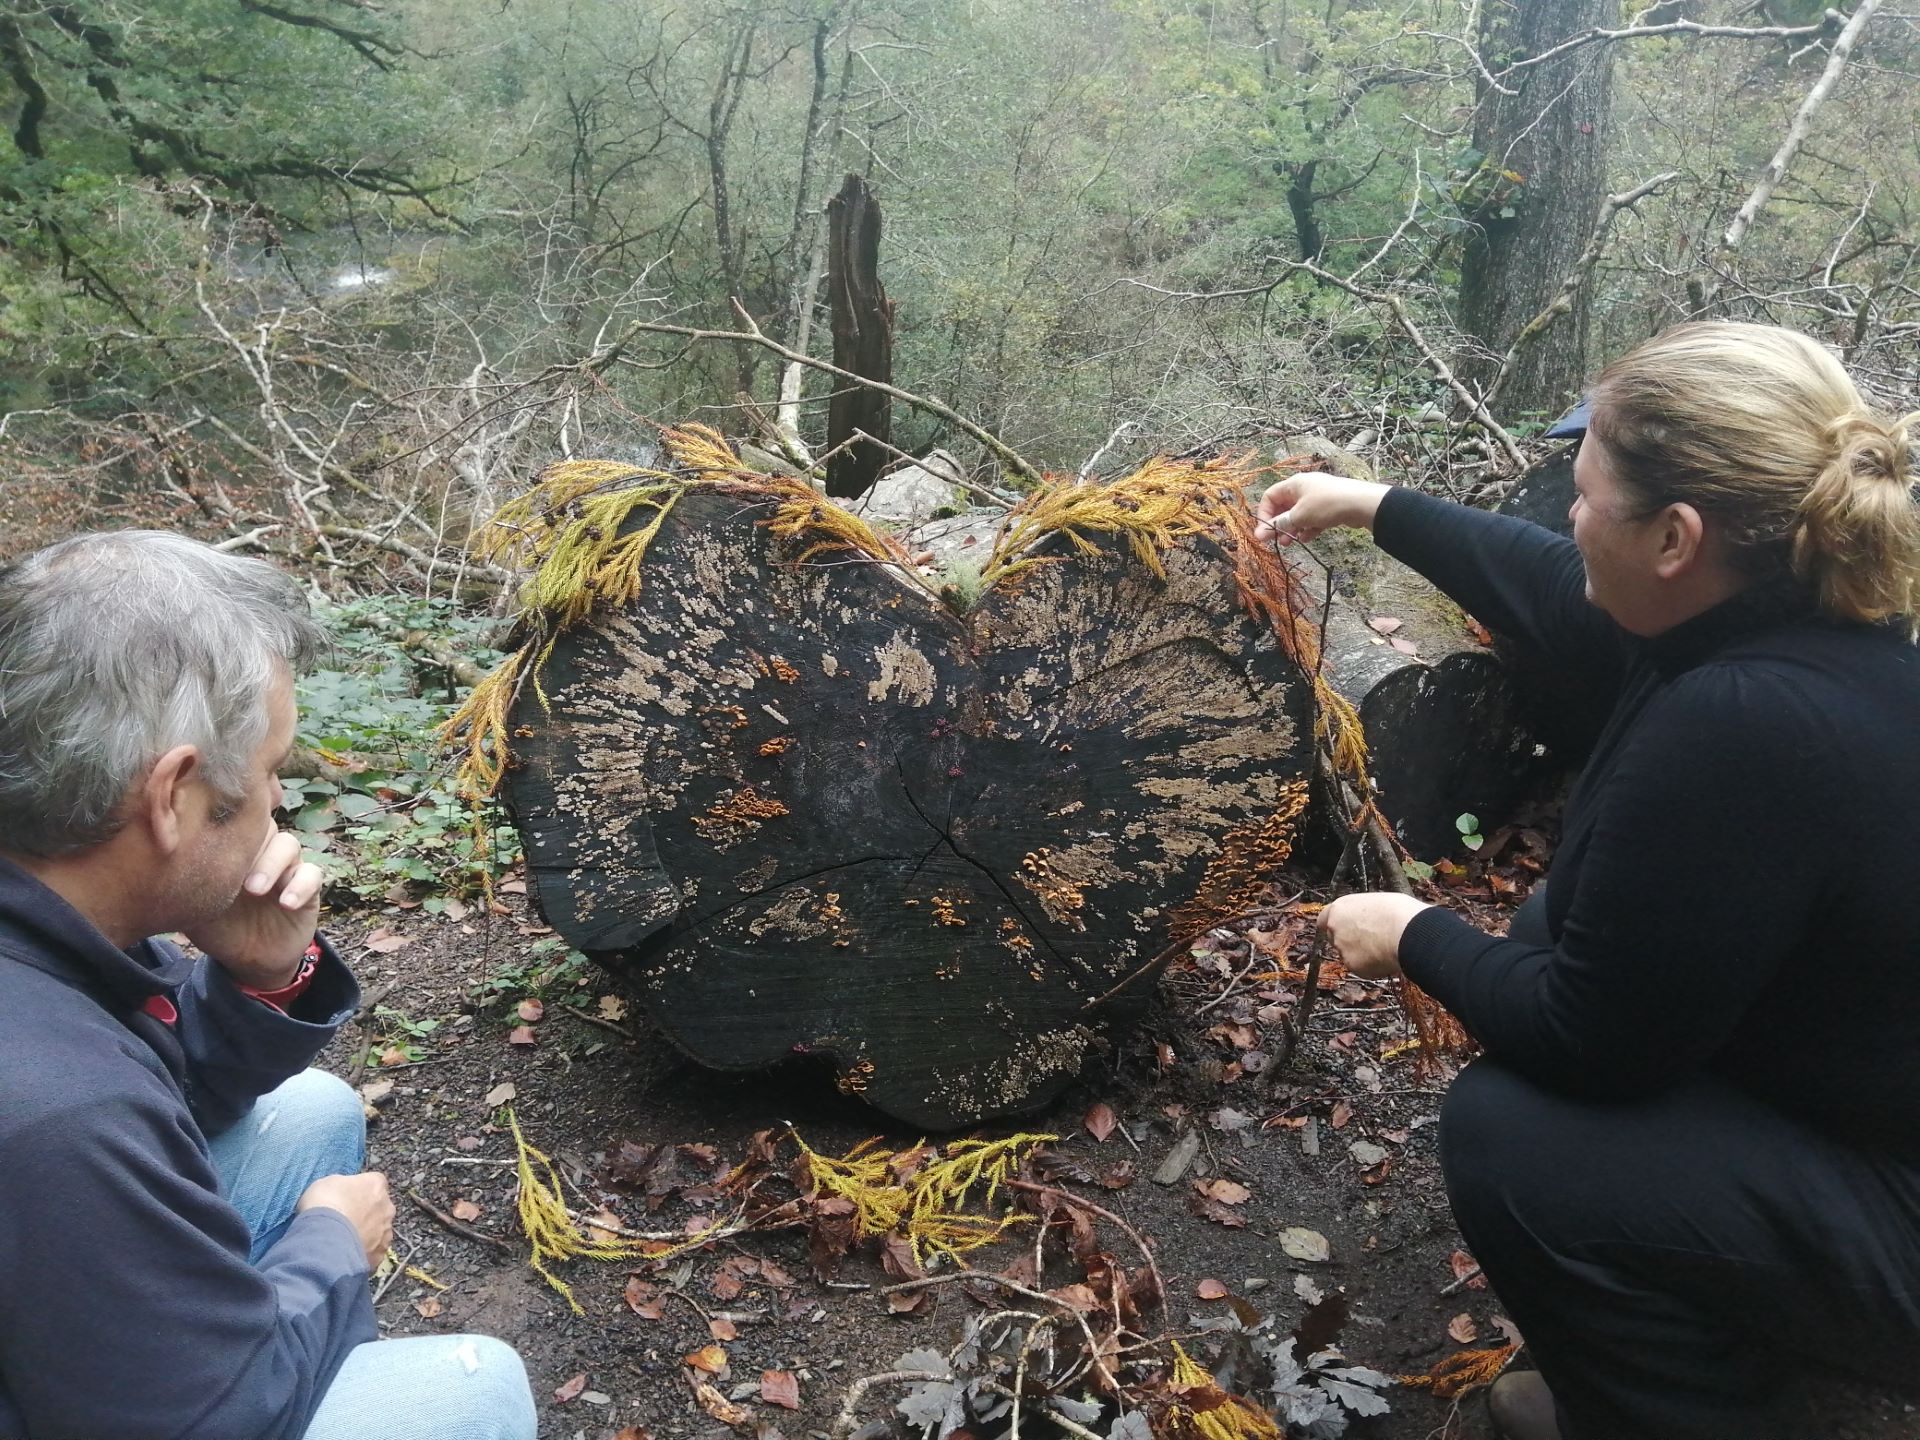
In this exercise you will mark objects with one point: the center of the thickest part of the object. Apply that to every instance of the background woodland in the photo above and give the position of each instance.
(330, 279)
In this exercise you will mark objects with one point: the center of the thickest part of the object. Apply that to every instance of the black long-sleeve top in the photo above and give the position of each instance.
(1737, 887)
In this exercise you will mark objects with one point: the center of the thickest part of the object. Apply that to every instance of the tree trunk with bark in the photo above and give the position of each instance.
(862, 339)
(1529, 231)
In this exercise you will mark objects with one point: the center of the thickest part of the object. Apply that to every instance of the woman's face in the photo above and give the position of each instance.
(1618, 544)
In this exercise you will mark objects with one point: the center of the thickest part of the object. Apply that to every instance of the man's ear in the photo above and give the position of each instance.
(169, 804)
(1683, 541)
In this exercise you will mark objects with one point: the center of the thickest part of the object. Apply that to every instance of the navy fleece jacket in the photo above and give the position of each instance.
(128, 1308)
(1737, 886)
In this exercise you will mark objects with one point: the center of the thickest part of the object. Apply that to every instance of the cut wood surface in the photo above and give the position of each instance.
(807, 809)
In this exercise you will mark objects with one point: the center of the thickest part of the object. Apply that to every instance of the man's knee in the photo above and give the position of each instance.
(498, 1397)
(320, 1108)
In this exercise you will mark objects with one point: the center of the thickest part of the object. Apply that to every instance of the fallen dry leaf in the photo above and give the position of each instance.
(1462, 1329)
(571, 1390)
(1211, 1209)
(465, 1209)
(709, 1358)
(1405, 647)
(500, 1094)
(512, 887)
(612, 1007)
(374, 1091)
(635, 1432)
(722, 1329)
(644, 1300)
(520, 1035)
(603, 1225)
(1384, 624)
(1464, 1265)
(1100, 1120)
(530, 1010)
(1342, 1113)
(910, 1302)
(721, 1408)
(1303, 1244)
(468, 1143)
(385, 942)
(1227, 1192)
(427, 1308)
(779, 1387)
(1210, 1290)
(393, 1055)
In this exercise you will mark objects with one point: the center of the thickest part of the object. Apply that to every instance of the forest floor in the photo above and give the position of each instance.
(1346, 1150)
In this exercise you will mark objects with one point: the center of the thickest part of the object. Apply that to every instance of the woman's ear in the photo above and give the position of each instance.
(1682, 535)
(169, 803)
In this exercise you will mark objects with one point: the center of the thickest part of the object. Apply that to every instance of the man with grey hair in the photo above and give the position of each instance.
(186, 1230)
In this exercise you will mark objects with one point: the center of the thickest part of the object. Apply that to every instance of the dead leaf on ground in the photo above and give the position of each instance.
(1210, 1209)
(709, 1358)
(1076, 1296)
(779, 1387)
(909, 1302)
(465, 1210)
(374, 1091)
(1116, 1177)
(468, 1143)
(512, 887)
(1227, 1192)
(603, 1225)
(571, 1389)
(1210, 1290)
(500, 1094)
(385, 942)
(1342, 1113)
(428, 1307)
(722, 1328)
(721, 1408)
(1303, 1244)
(635, 1432)
(644, 1300)
(1384, 624)
(612, 1007)
(1405, 647)
(1464, 1265)
(1462, 1329)
(530, 1010)
(394, 1055)
(520, 1035)
(1100, 1121)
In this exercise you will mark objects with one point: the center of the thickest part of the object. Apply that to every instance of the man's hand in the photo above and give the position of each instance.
(1302, 506)
(1365, 930)
(364, 1200)
(262, 936)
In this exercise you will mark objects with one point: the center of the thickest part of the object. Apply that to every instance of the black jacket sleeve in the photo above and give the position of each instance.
(1520, 581)
(1680, 918)
(238, 1049)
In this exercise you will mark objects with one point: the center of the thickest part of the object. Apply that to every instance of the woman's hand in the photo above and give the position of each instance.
(1302, 506)
(1364, 931)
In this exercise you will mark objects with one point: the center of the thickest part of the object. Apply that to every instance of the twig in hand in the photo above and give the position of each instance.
(447, 1222)
(1297, 1027)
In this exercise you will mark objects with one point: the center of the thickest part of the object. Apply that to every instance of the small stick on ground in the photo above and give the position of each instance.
(1465, 1280)
(593, 1019)
(447, 1222)
(1146, 1250)
(857, 1391)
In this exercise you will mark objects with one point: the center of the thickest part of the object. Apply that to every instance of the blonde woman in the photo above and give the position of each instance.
(1691, 1152)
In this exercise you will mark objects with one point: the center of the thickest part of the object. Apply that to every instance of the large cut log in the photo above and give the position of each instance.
(803, 807)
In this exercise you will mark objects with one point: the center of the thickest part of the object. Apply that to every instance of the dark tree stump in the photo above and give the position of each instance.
(803, 808)
(862, 339)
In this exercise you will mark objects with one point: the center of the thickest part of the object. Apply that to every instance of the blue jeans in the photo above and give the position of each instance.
(437, 1387)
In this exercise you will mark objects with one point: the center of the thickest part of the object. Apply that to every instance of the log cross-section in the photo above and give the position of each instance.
(806, 809)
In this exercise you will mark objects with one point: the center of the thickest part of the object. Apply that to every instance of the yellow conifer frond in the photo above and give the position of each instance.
(1203, 1410)
(557, 1236)
(936, 1205)
(1463, 1371)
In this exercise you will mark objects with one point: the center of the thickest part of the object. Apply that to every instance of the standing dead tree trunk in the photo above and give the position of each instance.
(862, 339)
(1540, 179)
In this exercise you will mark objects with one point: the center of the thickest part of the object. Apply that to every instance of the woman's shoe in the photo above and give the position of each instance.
(1522, 1407)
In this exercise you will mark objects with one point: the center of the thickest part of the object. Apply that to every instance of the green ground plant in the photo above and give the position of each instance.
(380, 813)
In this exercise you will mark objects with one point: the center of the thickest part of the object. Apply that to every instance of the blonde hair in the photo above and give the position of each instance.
(1761, 430)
